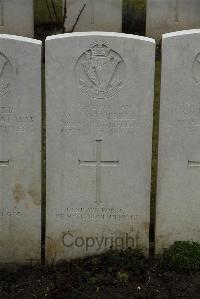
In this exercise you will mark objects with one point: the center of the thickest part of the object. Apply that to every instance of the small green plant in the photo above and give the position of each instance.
(182, 255)
(122, 277)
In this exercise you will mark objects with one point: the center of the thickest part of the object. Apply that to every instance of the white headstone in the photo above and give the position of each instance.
(94, 15)
(17, 17)
(171, 15)
(99, 128)
(178, 202)
(20, 149)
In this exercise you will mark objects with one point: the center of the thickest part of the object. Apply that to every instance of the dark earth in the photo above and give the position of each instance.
(115, 274)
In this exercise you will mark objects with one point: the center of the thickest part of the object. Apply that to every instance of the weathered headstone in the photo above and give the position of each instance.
(171, 15)
(99, 123)
(17, 17)
(94, 15)
(20, 149)
(178, 203)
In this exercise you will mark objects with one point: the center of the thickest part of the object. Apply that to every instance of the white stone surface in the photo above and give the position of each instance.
(178, 203)
(17, 17)
(104, 15)
(20, 149)
(99, 134)
(171, 15)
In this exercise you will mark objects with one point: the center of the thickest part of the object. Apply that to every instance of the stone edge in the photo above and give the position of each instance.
(181, 33)
(20, 39)
(98, 33)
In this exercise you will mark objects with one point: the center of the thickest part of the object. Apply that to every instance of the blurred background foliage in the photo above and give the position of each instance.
(134, 16)
(49, 13)
(44, 11)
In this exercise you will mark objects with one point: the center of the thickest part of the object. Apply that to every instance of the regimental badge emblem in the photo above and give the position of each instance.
(100, 71)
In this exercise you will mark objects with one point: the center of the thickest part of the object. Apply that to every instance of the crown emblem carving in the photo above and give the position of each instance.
(100, 49)
(100, 71)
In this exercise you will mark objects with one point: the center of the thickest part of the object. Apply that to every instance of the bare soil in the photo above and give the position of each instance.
(102, 277)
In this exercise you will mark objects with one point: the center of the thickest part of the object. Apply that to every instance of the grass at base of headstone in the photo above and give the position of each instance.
(155, 147)
(182, 255)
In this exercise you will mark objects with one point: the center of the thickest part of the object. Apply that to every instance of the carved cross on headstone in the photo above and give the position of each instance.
(4, 163)
(98, 164)
(1, 13)
(194, 163)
